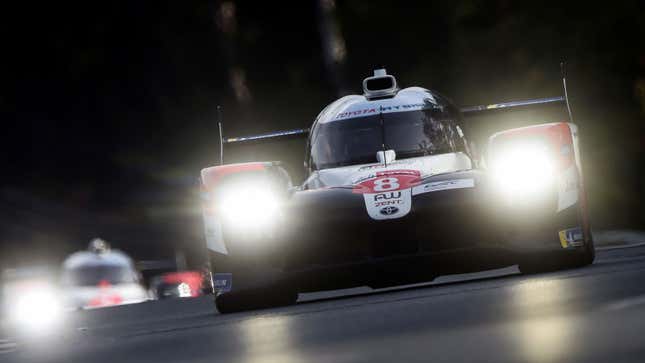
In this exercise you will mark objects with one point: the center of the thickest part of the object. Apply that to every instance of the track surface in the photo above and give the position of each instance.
(593, 314)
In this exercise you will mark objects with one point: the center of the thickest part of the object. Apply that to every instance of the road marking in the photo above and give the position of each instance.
(627, 303)
(7, 346)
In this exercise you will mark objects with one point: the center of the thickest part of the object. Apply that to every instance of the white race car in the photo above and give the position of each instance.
(395, 194)
(101, 277)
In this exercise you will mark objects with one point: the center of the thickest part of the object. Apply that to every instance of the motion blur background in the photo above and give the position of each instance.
(109, 108)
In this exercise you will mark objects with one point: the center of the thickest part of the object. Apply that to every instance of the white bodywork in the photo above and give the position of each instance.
(407, 99)
(568, 181)
(353, 106)
(396, 202)
(92, 297)
(102, 295)
(426, 165)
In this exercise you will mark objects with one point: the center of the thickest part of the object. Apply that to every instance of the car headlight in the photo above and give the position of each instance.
(38, 309)
(183, 289)
(248, 206)
(523, 172)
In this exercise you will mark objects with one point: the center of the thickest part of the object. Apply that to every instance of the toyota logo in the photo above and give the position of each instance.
(389, 210)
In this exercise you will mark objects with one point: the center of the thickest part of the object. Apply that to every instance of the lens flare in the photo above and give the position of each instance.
(523, 172)
(36, 309)
(249, 206)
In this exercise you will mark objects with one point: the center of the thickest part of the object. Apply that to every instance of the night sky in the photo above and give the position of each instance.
(110, 107)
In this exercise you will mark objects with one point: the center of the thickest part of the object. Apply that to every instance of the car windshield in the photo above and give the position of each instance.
(92, 275)
(410, 134)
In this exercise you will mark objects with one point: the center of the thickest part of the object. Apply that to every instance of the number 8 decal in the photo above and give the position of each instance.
(385, 184)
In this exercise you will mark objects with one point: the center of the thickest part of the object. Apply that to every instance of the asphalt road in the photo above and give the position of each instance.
(593, 314)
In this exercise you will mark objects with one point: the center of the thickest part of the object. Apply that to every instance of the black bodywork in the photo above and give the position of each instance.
(328, 241)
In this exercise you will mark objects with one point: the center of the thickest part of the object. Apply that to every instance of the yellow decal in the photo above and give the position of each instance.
(563, 238)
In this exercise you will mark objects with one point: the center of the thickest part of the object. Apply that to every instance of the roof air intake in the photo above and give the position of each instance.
(380, 85)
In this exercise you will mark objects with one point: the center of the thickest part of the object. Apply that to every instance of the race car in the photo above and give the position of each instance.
(395, 194)
(101, 277)
(180, 284)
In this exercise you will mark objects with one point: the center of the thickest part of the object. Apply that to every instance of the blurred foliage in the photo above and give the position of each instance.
(114, 103)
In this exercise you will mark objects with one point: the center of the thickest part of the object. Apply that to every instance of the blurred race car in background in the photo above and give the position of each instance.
(180, 284)
(395, 193)
(101, 277)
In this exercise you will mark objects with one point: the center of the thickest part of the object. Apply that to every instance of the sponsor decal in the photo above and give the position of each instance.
(389, 198)
(571, 237)
(382, 166)
(388, 204)
(443, 185)
(385, 196)
(223, 282)
(384, 181)
(388, 194)
(365, 111)
(375, 110)
(389, 210)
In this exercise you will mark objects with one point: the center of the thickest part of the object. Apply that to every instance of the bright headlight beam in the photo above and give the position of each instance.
(184, 290)
(249, 206)
(523, 171)
(36, 309)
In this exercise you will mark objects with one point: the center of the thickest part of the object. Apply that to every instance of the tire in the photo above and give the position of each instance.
(557, 261)
(588, 255)
(252, 299)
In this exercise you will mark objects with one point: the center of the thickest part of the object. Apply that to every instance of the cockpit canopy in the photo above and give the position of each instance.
(414, 122)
